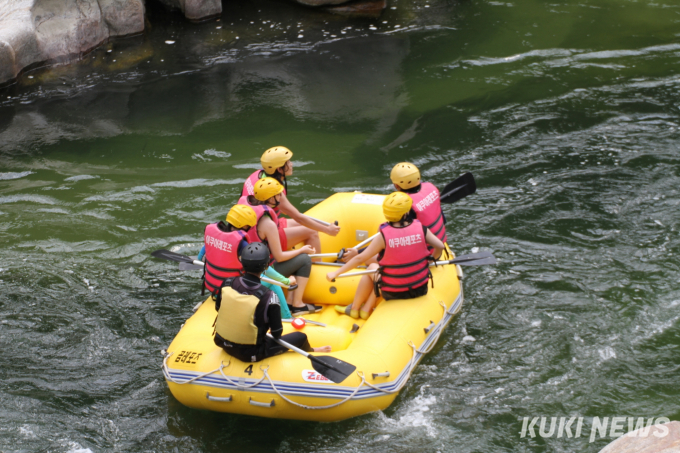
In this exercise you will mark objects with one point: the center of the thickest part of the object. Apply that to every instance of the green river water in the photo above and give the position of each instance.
(566, 112)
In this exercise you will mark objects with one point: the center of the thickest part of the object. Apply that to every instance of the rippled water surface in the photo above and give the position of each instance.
(567, 114)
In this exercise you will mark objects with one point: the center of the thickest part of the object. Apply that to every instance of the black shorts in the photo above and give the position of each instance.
(409, 294)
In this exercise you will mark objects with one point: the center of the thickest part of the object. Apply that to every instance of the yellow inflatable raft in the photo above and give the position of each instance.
(385, 348)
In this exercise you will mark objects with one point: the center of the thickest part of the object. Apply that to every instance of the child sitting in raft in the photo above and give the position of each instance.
(268, 229)
(246, 311)
(223, 243)
(277, 164)
(403, 259)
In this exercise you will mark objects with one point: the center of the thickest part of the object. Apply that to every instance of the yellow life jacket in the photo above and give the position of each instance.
(236, 317)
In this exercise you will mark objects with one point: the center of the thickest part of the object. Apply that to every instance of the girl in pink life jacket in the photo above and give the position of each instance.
(403, 259)
(223, 243)
(277, 164)
(425, 196)
(292, 262)
(426, 206)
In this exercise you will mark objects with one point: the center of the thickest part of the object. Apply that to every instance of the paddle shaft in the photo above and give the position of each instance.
(309, 356)
(361, 244)
(358, 246)
(322, 263)
(322, 222)
(290, 346)
(462, 260)
(316, 323)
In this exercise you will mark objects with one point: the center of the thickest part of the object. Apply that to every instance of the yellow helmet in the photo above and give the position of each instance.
(241, 216)
(405, 175)
(396, 205)
(266, 188)
(274, 158)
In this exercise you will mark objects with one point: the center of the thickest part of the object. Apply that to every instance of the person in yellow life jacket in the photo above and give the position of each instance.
(246, 311)
(276, 163)
(268, 229)
(403, 259)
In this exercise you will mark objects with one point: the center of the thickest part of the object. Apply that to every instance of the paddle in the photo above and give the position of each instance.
(366, 241)
(458, 189)
(189, 267)
(475, 259)
(323, 222)
(329, 367)
(308, 321)
(172, 256)
(338, 255)
(322, 263)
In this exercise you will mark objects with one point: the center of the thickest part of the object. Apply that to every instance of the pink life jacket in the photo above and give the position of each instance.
(249, 188)
(261, 210)
(249, 185)
(428, 209)
(221, 255)
(403, 263)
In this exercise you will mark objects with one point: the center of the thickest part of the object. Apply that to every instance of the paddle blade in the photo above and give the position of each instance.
(172, 256)
(189, 267)
(460, 188)
(475, 256)
(334, 369)
(483, 261)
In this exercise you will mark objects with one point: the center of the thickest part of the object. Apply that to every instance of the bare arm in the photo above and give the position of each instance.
(291, 211)
(268, 230)
(434, 241)
(375, 247)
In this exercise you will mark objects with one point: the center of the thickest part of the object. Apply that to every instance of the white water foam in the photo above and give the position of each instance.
(607, 353)
(14, 175)
(213, 152)
(81, 178)
(27, 432)
(199, 182)
(75, 447)
(256, 166)
(416, 414)
(29, 199)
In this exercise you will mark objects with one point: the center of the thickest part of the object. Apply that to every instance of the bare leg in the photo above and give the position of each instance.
(299, 292)
(298, 234)
(365, 311)
(322, 349)
(372, 260)
(364, 290)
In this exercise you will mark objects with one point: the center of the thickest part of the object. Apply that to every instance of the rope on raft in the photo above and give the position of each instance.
(304, 406)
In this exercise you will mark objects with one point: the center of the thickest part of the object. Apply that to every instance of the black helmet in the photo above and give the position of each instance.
(255, 258)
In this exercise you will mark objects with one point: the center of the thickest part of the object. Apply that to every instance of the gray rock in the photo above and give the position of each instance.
(634, 442)
(196, 10)
(48, 31)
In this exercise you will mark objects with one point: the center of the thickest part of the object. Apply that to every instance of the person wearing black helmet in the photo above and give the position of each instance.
(246, 311)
